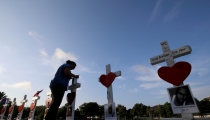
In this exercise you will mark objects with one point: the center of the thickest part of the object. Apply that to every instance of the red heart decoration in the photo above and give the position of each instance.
(20, 108)
(176, 74)
(107, 80)
(2, 111)
(32, 106)
(48, 102)
(70, 97)
(10, 110)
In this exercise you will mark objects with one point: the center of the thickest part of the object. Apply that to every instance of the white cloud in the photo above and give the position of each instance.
(7, 49)
(146, 73)
(1, 70)
(200, 65)
(61, 55)
(162, 92)
(85, 69)
(135, 90)
(21, 85)
(36, 37)
(155, 11)
(199, 92)
(122, 87)
(173, 13)
(57, 58)
(121, 78)
(149, 85)
(43, 53)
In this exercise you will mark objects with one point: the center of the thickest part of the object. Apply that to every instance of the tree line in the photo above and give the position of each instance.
(93, 109)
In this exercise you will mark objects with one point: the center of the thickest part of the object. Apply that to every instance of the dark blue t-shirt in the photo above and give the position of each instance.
(60, 77)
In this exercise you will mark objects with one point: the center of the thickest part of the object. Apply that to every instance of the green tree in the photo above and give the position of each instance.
(121, 111)
(40, 112)
(168, 110)
(89, 109)
(139, 110)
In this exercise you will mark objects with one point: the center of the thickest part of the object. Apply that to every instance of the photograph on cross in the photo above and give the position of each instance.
(182, 100)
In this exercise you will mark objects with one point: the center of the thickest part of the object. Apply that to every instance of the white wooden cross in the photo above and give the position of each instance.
(12, 105)
(19, 116)
(34, 100)
(73, 88)
(109, 89)
(49, 94)
(168, 56)
(5, 108)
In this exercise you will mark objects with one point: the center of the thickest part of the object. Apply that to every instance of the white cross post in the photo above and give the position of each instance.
(109, 89)
(34, 100)
(73, 88)
(12, 106)
(5, 108)
(168, 56)
(19, 116)
(49, 94)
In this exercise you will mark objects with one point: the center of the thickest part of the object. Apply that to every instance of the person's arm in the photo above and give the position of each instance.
(69, 74)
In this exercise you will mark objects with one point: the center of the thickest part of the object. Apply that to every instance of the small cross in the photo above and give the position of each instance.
(73, 88)
(109, 89)
(12, 105)
(24, 100)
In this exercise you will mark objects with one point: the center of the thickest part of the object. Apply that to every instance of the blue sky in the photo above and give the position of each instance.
(36, 37)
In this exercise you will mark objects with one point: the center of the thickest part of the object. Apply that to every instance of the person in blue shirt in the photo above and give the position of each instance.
(58, 86)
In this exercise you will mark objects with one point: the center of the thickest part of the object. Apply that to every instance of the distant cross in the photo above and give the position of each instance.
(4, 108)
(12, 107)
(168, 56)
(109, 89)
(48, 103)
(34, 101)
(19, 116)
(73, 88)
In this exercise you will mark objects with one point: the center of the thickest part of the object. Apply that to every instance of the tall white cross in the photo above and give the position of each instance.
(19, 116)
(5, 108)
(73, 88)
(34, 101)
(109, 89)
(168, 56)
(12, 107)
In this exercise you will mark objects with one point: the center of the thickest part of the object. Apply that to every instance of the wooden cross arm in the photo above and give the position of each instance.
(77, 85)
(176, 53)
(36, 98)
(118, 73)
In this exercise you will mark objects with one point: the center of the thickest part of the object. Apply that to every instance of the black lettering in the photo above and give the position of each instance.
(182, 49)
(164, 43)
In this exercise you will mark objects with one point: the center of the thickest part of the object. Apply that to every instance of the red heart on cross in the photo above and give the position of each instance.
(2, 111)
(107, 80)
(70, 97)
(20, 108)
(176, 74)
(32, 106)
(10, 110)
(48, 102)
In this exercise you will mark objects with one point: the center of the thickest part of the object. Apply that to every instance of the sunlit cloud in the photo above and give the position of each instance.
(25, 85)
(36, 37)
(155, 11)
(149, 85)
(174, 12)
(121, 78)
(146, 73)
(122, 87)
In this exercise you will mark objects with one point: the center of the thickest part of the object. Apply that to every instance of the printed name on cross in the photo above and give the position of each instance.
(175, 54)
